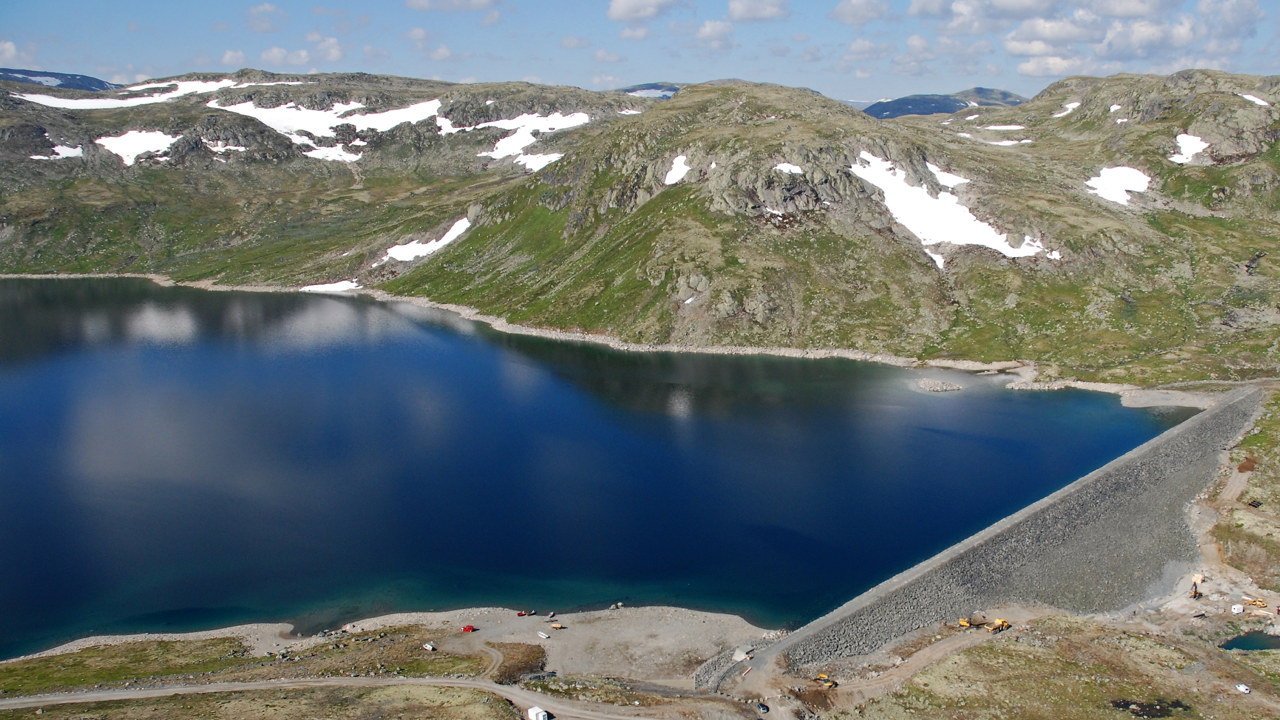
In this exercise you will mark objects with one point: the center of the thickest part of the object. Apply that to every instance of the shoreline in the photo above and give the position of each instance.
(1024, 372)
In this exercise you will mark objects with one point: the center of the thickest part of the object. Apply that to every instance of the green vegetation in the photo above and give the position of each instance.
(116, 664)
(320, 703)
(395, 651)
(1060, 668)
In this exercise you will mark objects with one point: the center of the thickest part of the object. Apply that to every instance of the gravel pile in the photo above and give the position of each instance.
(1100, 544)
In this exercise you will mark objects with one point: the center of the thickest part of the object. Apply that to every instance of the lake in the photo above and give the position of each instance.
(175, 459)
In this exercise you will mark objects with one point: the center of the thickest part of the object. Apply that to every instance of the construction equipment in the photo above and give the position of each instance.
(998, 625)
(1195, 591)
(1257, 603)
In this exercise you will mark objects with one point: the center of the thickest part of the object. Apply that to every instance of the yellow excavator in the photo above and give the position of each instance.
(992, 626)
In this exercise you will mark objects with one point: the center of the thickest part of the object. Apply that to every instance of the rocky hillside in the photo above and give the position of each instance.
(1114, 228)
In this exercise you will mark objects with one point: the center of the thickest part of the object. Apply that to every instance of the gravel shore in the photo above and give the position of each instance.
(1112, 538)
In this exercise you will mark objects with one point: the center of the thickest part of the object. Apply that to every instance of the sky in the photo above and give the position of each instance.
(847, 49)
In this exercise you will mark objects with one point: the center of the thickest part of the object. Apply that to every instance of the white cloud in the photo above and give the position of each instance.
(450, 5)
(634, 33)
(863, 50)
(605, 56)
(262, 18)
(1052, 65)
(442, 52)
(233, 58)
(608, 81)
(1084, 26)
(280, 56)
(1020, 8)
(8, 51)
(750, 10)
(491, 18)
(327, 48)
(1143, 38)
(573, 42)
(1230, 23)
(930, 8)
(636, 11)
(715, 34)
(1031, 47)
(858, 12)
(373, 52)
(1135, 8)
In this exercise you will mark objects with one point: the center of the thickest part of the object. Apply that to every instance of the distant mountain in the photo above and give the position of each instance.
(943, 104)
(660, 90)
(55, 79)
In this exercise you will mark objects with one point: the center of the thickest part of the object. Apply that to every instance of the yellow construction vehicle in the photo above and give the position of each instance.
(1257, 603)
(998, 625)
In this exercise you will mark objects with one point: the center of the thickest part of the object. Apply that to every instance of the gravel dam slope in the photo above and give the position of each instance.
(1099, 544)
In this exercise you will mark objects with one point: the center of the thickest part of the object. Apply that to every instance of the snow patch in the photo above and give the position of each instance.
(61, 151)
(1067, 109)
(1006, 127)
(964, 135)
(291, 120)
(180, 89)
(1116, 183)
(679, 168)
(1005, 143)
(414, 250)
(1122, 121)
(525, 126)
(1114, 108)
(334, 287)
(973, 117)
(136, 142)
(221, 146)
(1255, 99)
(935, 220)
(537, 162)
(945, 178)
(788, 168)
(1188, 147)
(629, 112)
(336, 153)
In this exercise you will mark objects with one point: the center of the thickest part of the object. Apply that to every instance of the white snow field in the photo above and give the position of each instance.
(679, 168)
(1114, 108)
(414, 250)
(937, 220)
(180, 88)
(1255, 99)
(788, 168)
(136, 142)
(1067, 109)
(1006, 127)
(945, 178)
(1188, 147)
(1116, 183)
(515, 143)
(291, 120)
(335, 287)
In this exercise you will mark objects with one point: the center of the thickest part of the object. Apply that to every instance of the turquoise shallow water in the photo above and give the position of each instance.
(176, 459)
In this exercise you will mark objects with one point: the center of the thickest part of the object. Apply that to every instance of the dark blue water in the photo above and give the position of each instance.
(1253, 640)
(174, 459)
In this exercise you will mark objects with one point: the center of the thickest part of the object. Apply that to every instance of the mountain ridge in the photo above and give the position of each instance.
(790, 219)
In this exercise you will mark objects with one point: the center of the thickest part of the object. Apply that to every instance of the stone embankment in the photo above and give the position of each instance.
(1104, 542)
